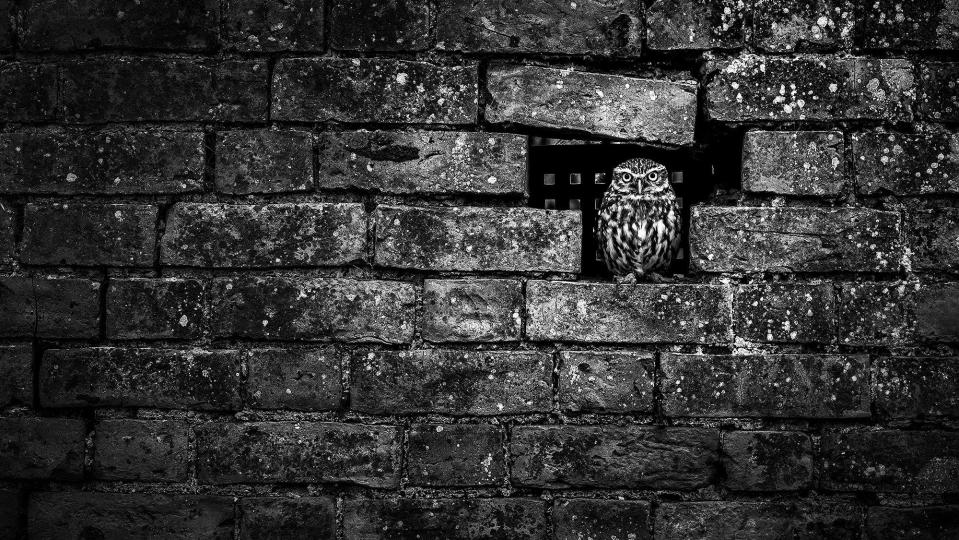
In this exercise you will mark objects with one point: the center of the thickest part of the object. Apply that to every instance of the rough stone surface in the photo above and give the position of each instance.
(916, 387)
(602, 312)
(785, 312)
(934, 239)
(874, 313)
(767, 460)
(613, 457)
(373, 90)
(264, 161)
(146, 308)
(791, 25)
(149, 450)
(49, 307)
(795, 239)
(938, 99)
(721, 519)
(255, 26)
(42, 448)
(937, 312)
(375, 25)
(593, 381)
(423, 162)
(906, 164)
(478, 239)
(891, 24)
(8, 236)
(807, 163)
(313, 309)
(283, 234)
(16, 375)
(300, 517)
(929, 522)
(294, 379)
(695, 24)
(472, 310)
(611, 105)
(456, 455)
(291, 452)
(577, 519)
(772, 385)
(29, 91)
(451, 382)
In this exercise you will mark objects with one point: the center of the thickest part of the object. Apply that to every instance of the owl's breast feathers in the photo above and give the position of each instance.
(636, 233)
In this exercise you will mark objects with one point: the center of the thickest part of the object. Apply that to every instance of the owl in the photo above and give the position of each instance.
(638, 226)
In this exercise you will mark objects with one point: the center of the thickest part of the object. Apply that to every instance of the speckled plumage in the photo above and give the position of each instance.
(638, 227)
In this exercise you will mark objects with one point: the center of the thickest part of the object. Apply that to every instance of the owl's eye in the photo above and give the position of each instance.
(627, 177)
(653, 176)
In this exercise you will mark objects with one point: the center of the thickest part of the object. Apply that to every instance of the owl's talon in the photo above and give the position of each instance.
(658, 278)
(627, 279)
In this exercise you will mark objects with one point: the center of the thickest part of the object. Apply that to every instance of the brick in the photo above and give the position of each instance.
(938, 99)
(294, 379)
(906, 164)
(10, 511)
(756, 88)
(472, 310)
(937, 312)
(695, 24)
(255, 26)
(722, 519)
(16, 375)
(49, 307)
(263, 161)
(41, 448)
(804, 163)
(787, 26)
(874, 313)
(604, 312)
(795, 239)
(163, 89)
(478, 239)
(456, 455)
(454, 519)
(121, 377)
(147, 450)
(315, 309)
(65, 25)
(374, 90)
(301, 517)
(420, 162)
(613, 457)
(785, 312)
(600, 104)
(270, 235)
(890, 24)
(600, 381)
(451, 382)
(103, 161)
(147, 308)
(29, 92)
(767, 460)
(934, 238)
(8, 224)
(7, 33)
(929, 522)
(772, 385)
(890, 461)
(294, 452)
(916, 386)
(576, 519)
(594, 27)
(126, 515)
(87, 234)
(375, 25)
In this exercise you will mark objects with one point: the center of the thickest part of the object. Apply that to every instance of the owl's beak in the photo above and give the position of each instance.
(639, 185)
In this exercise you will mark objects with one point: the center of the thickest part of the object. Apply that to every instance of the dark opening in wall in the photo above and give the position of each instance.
(573, 175)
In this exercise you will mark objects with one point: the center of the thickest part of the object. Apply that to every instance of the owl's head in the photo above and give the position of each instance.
(640, 176)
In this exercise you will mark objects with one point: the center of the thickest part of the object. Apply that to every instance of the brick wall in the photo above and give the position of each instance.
(267, 268)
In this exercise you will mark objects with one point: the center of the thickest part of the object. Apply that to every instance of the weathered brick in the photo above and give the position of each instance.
(577, 519)
(478, 239)
(894, 461)
(163, 89)
(938, 98)
(263, 161)
(377, 25)
(10, 510)
(695, 24)
(755, 88)
(102, 161)
(453, 519)
(612, 105)
(767, 460)
(785, 312)
(785, 26)
(929, 522)
(456, 455)
(29, 92)
(49, 307)
(916, 387)
(604, 28)
(937, 312)
(809, 163)
(934, 239)
(313, 309)
(8, 235)
(294, 379)
(797, 239)
(472, 310)
(613, 457)
(604, 312)
(451, 382)
(65, 25)
(16, 375)
(906, 164)
(283, 234)
(301, 517)
(254, 25)
(88, 234)
(722, 519)
(117, 377)
(294, 452)
(894, 24)
(874, 313)
(613, 381)
(773, 385)
(419, 162)
(374, 90)
(130, 515)
(150, 450)
(42, 448)
(147, 308)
